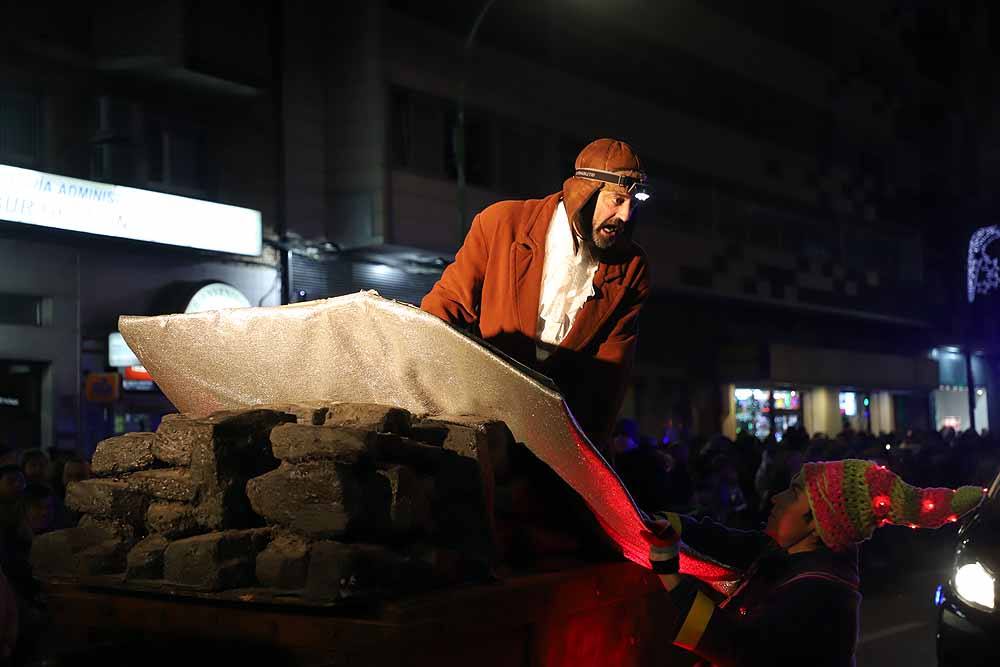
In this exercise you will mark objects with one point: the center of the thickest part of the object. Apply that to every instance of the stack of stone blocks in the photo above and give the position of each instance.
(321, 501)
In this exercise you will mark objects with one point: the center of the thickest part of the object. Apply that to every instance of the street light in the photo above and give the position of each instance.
(458, 138)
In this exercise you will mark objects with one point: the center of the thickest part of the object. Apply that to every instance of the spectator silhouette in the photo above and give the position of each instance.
(643, 468)
(35, 465)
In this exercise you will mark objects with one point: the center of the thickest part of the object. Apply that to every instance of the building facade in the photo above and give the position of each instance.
(812, 166)
(120, 95)
(806, 159)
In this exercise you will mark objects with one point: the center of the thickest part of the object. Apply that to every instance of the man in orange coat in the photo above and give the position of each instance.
(557, 283)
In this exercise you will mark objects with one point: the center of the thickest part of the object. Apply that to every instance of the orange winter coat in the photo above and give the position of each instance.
(495, 285)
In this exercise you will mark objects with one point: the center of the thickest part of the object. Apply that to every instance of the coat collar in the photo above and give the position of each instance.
(529, 261)
(535, 231)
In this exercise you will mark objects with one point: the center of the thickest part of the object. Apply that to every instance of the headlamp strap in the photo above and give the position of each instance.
(622, 180)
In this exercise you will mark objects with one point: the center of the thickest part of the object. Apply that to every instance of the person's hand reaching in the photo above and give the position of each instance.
(664, 542)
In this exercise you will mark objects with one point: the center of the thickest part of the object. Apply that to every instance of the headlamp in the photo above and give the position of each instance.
(633, 186)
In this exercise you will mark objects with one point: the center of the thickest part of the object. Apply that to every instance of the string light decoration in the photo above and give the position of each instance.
(984, 271)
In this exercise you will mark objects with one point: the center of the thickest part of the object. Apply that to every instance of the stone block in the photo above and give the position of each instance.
(113, 528)
(302, 442)
(107, 498)
(55, 553)
(172, 520)
(488, 441)
(322, 499)
(180, 436)
(145, 559)
(369, 417)
(107, 557)
(176, 438)
(284, 564)
(216, 561)
(338, 571)
(166, 484)
(238, 450)
(410, 502)
(392, 448)
(309, 412)
(123, 454)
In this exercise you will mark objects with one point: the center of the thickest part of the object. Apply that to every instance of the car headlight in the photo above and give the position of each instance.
(975, 585)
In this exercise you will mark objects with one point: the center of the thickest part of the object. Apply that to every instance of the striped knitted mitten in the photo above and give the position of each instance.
(664, 536)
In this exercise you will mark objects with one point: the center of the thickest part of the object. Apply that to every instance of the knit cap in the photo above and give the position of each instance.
(850, 498)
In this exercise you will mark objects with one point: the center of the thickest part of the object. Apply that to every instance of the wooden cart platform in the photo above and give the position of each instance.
(606, 614)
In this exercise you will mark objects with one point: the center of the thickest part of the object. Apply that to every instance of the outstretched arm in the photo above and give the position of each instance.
(735, 548)
(455, 297)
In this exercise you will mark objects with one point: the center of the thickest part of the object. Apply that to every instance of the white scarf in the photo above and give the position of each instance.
(567, 282)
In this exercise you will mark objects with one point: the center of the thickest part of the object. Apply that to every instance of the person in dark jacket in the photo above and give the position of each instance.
(798, 599)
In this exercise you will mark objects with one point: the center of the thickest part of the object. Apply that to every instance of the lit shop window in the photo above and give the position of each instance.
(761, 412)
(848, 404)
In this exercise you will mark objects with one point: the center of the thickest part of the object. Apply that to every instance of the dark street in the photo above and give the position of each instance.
(898, 616)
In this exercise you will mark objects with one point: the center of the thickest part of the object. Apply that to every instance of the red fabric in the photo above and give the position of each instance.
(495, 285)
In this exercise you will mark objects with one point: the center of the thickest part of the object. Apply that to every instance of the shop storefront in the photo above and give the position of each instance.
(763, 411)
(822, 390)
(950, 402)
(76, 255)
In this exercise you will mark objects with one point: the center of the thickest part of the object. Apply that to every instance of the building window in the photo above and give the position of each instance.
(418, 132)
(479, 153)
(175, 156)
(423, 138)
(761, 411)
(20, 128)
(401, 106)
(22, 310)
(523, 171)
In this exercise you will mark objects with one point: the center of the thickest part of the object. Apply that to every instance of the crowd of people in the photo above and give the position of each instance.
(733, 482)
(32, 501)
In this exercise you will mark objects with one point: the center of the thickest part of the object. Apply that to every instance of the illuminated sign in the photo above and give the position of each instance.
(137, 378)
(46, 200)
(137, 373)
(119, 353)
(848, 403)
(101, 387)
(216, 296)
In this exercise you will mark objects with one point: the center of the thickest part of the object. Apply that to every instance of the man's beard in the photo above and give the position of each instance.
(598, 245)
(605, 236)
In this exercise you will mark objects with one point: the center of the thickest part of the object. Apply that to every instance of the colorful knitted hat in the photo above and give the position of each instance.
(850, 498)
